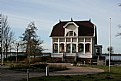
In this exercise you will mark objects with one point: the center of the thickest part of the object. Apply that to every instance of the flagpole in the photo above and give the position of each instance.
(110, 46)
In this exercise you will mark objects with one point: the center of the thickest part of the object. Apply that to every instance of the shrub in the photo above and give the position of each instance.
(37, 67)
(54, 67)
(19, 67)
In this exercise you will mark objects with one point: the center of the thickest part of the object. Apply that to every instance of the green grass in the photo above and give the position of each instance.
(114, 75)
(89, 77)
(113, 69)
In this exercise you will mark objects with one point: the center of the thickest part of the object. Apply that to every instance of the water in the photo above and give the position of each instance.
(114, 57)
(8, 55)
(107, 57)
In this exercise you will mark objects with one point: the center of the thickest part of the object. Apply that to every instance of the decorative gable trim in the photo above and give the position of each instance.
(69, 24)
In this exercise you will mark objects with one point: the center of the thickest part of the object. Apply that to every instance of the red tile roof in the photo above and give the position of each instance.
(86, 28)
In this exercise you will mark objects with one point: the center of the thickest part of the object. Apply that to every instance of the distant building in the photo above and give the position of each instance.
(75, 39)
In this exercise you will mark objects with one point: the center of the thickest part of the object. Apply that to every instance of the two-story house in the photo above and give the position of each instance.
(77, 39)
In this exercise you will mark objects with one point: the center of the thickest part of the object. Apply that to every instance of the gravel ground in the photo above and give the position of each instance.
(9, 75)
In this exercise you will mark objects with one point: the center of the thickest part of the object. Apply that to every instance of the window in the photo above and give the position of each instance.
(68, 48)
(80, 47)
(97, 51)
(88, 39)
(61, 48)
(71, 33)
(55, 39)
(55, 48)
(81, 39)
(68, 40)
(62, 40)
(87, 47)
(73, 48)
(74, 40)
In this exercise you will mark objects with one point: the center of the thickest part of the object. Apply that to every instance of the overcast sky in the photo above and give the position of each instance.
(46, 13)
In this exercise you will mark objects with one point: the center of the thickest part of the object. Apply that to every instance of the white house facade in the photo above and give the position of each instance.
(76, 39)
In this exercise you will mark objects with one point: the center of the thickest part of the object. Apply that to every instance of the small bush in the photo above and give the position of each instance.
(35, 60)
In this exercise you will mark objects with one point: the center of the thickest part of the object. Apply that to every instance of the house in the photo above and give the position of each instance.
(75, 40)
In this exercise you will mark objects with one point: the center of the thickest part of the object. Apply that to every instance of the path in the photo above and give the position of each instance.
(9, 75)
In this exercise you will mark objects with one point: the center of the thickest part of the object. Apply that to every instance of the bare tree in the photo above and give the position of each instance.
(7, 35)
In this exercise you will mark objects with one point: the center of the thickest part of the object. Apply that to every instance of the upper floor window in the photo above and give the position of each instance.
(88, 39)
(55, 39)
(71, 33)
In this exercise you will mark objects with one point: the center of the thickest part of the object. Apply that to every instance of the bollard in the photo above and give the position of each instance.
(27, 74)
(47, 70)
(84, 62)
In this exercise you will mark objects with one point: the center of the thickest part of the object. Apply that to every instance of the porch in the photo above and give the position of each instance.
(71, 57)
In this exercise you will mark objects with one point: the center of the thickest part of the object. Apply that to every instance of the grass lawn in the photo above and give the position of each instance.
(114, 75)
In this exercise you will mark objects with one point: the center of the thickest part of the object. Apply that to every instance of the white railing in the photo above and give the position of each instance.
(87, 55)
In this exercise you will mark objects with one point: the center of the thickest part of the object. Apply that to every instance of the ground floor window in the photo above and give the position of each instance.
(87, 47)
(80, 47)
(73, 48)
(55, 48)
(61, 48)
(68, 48)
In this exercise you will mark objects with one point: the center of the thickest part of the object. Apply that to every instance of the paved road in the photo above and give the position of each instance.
(9, 75)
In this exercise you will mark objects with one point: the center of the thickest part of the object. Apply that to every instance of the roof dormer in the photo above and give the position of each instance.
(71, 29)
